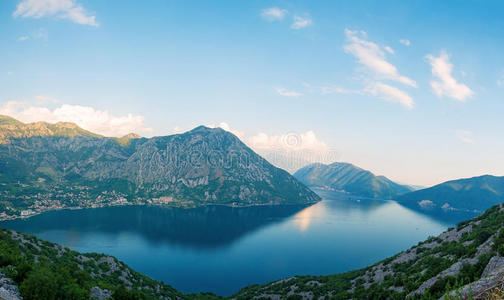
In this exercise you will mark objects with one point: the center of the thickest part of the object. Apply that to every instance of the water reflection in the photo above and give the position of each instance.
(204, 227)
(303, 218)
(222, 249)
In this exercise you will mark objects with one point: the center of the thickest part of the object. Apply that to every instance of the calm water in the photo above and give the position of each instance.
(222, 249)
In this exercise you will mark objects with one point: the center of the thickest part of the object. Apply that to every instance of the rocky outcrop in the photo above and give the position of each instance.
(8, 290)
(99, 294)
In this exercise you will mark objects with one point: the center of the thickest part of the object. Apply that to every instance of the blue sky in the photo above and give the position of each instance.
(408, 89)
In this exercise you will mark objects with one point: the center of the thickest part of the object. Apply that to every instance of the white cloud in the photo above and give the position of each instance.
(465, 136)
(372, 57)
(446, 85)
(60, 9)
(287, 142)
(225, 126)
(391, 93)
(177, 130)
(287, 93)
(301, 22)
(10, 73)
(389, 49)
(89, 118)
(273, 14)
(405, 42)
(289, 151)
(23, 38)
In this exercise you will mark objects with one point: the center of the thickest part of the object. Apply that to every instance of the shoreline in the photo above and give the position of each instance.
(174, 205)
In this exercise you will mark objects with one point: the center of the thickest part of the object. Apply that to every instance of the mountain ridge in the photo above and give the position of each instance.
(470, 194)
(12, 128)
(351, 179)
(199, 167)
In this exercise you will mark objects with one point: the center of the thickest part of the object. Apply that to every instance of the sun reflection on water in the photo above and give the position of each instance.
(304, 218)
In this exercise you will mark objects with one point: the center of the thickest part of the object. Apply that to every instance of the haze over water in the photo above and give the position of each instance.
(222, 249)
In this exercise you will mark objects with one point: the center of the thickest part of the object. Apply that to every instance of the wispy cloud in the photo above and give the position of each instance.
(405, 42)
(391, 93)
(10, 73)
(89, 118)
(445, 84)
(465, 136)
(39, 34)
(389, 49)
(301, 22)
(273, 14)
(372, 57)
(287, 93)
(328, 90)
(500, 80)
(59, 9)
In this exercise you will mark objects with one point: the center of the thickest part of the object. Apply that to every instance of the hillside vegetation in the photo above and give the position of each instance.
(36, 269)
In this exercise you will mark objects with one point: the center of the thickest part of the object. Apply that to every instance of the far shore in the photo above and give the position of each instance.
(172, 205)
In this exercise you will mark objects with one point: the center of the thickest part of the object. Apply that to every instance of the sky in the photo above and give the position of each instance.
(407, 89)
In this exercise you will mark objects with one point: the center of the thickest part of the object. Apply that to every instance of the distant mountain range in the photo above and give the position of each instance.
(351, 179)
(477, 193)
(46, 166)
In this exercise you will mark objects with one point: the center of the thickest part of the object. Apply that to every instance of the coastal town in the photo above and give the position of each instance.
(64, 197)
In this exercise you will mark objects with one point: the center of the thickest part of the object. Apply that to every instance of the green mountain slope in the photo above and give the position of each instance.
(58, 168)
(351, 179)
(35, 269)
(465, 260)
(471, 194)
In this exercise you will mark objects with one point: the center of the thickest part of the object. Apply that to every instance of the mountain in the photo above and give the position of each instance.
(11, 128)
(351, 179)
(49, 166)
(466, 262)
(470, 194)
